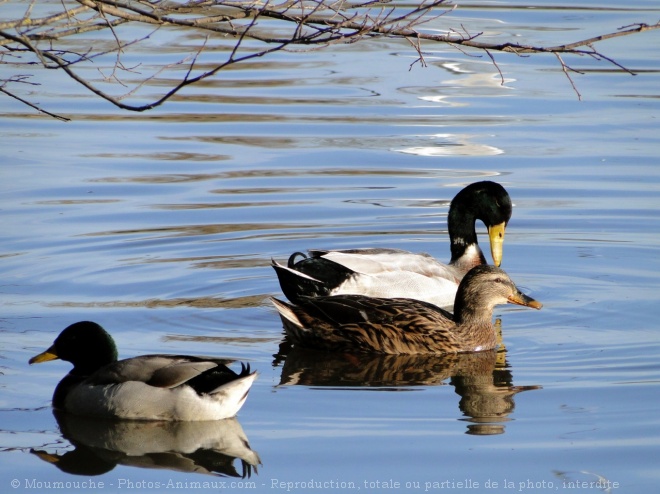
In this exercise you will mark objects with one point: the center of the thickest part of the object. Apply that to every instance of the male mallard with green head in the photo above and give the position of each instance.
(148, 387)
(394, 273)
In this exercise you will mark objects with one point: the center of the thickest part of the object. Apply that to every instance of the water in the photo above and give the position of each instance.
(161, 226)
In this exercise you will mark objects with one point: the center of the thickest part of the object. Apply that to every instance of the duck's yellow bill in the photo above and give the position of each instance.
(44, 356)
(50, 458)
(496, 235)
(522, 299)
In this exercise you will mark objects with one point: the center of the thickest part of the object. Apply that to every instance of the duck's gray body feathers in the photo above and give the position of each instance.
(148, 387)
(159, 387)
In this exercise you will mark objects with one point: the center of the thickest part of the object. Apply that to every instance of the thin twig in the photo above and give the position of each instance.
(32, 105)
(565, 69)
(418, 48)
(492, 59)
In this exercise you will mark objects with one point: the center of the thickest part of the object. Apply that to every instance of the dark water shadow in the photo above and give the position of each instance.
(208, 447)
(483, 380)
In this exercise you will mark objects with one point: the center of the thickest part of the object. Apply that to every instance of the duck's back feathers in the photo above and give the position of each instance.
(169, 371)
(359, 323)
(378, 260)
(386, 273)
(161, 371)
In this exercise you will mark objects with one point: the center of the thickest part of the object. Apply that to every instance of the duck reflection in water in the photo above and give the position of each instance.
(206, 447)
(483, 380)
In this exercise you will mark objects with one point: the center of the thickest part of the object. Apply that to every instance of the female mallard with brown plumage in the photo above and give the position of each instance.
(405, 326)
(394, 273)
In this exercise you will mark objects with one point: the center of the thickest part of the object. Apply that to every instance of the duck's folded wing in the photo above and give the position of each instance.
(179, 373)
(162, 371)
(377, 261)
(402, 284)
(356, 309)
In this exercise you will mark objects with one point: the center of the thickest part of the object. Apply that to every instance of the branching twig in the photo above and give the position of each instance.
(420, 56)
(270, 27)
(565, 68)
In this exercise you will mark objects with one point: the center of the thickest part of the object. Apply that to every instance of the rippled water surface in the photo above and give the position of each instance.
(161, 226)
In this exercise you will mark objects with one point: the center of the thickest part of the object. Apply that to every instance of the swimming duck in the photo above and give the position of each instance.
(394, 273)
(405, 326)
(148, 387)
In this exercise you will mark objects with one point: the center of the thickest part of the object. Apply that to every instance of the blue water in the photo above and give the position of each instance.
(161, 226)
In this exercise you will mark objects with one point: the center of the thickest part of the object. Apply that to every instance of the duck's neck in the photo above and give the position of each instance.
(89, 363)
(474, 322)
(82, 369)
(475, 315)
(465, 250)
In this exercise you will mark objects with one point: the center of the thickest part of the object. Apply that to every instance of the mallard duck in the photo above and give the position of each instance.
(394, 273)
(148, 387)
(405, 326)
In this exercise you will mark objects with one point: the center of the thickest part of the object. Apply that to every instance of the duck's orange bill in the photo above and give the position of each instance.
(522, 299)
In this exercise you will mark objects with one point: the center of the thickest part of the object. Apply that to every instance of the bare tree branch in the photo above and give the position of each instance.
(269, 26)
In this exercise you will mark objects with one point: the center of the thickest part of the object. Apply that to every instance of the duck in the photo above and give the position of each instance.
(147, 387)
(357, 323)
(395, 273)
